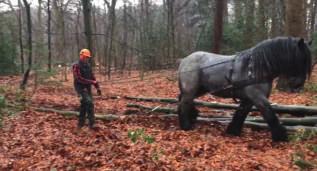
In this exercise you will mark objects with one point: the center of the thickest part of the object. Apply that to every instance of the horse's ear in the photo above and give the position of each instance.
(301, 42)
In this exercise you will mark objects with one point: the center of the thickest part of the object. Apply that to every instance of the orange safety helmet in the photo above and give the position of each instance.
(84, 53)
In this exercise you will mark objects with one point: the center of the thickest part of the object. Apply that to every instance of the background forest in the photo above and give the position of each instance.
(141, 34)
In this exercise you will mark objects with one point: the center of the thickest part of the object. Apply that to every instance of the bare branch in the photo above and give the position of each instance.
(108, 4)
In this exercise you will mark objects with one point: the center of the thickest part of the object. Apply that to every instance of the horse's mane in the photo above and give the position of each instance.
(279, 56)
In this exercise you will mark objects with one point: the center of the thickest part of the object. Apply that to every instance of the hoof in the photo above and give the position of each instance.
(186, 127)
(231, 130)
(279, 135)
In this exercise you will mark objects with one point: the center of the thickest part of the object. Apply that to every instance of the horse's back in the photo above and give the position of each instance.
(201, 59)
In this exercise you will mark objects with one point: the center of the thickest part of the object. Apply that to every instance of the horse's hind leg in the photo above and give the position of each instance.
(189, 86)
(239, 116)
(187, 112)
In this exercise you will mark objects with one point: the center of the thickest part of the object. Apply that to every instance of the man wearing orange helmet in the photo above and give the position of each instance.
(83, 79)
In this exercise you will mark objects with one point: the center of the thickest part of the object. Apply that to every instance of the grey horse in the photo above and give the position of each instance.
(246, 76)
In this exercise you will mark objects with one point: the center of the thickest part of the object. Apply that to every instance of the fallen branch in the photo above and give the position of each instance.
(107, 117)
(295, 110)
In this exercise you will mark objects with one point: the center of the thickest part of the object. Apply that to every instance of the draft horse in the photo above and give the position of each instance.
(246, 76)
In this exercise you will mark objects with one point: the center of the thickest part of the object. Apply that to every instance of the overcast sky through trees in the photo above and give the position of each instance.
(99, 3)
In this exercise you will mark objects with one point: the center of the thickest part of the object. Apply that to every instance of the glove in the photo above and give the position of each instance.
(96, 84)
(99, 92)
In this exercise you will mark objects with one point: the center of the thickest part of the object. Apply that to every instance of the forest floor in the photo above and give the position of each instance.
(31, 140)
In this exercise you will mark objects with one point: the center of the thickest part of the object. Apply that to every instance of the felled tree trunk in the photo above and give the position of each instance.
(295, 110)
(311, 121)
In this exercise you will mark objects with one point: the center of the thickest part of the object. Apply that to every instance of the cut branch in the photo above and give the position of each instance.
(295, 110)
(155, 109)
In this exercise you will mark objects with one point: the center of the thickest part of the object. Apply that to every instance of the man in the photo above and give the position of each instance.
(83, 79)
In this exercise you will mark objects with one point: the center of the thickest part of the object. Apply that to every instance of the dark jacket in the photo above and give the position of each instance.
(83, 77)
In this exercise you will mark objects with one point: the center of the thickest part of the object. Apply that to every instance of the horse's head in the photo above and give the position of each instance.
(302, 67)
(288, 57)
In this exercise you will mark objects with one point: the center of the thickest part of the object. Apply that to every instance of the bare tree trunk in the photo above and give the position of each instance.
(218, 26)
(59, 10)
(313, 8)
(95, 38)
(78, 28)
(29, 31)
(105, 44)
(261, 21)
(225, 11)
(142, 39)
(277, 8)
(148, 58)
(170, 30)
(249, 23)
(49, 36)
(39, 36)
(125, 37)
(87, 23)
(294, 19)
(20, 35)
(133, 42)
(294, 26)
(110, 33)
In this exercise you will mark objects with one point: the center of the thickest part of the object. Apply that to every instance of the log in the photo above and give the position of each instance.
(295, 110)
(265, 126)
(107, 117)
(288, 128)
(309, 121)
(251, 123)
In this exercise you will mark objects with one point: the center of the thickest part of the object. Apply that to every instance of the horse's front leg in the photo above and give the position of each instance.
(187, 113)
(235, 126)
(278, 132)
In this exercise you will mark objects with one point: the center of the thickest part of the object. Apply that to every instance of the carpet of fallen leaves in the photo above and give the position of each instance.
(41, 141)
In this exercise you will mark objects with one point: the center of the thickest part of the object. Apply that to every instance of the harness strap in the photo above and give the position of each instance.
(229, 76)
